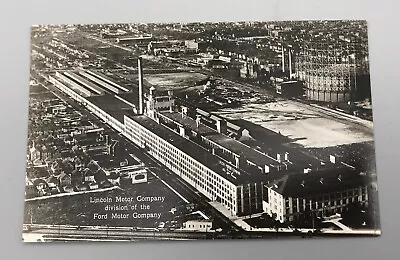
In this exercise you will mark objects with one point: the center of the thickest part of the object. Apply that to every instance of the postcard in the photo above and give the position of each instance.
(203, 130)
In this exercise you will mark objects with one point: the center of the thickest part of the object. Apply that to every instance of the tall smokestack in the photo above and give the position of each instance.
(140, 73)
(283, 59)
(170, 93)
(290, 63)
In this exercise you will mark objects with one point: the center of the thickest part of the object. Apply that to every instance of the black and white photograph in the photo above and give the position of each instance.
(200, 130)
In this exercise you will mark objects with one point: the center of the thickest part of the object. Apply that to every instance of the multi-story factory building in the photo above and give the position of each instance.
(321, 193)
(201, 148)
(195, 165)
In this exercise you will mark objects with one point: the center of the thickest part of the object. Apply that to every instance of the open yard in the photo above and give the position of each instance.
(174, 80)
(305, 126)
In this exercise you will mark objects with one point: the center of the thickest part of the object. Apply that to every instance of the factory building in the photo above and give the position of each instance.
(194, 145)
(215, 141)
(290, 89)
(241, 194)
(321, 193)
(143, 39)
(192, 45)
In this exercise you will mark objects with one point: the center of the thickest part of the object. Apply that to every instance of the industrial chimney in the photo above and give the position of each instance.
(140, 74)
(290, 64)
(198, 119)
(221, 126)
(286, 156)
(283, 59)
(170, 94)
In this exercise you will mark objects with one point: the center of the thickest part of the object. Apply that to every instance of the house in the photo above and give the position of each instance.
(33, 154)
(67, 189)
(69, 140)
(93, 186)
(138, 176)
(200, 225)
(82, 187)
(56, 109)
(56, 166)
(52, 182)
(156, 47)
(192, 45)
(38, 162)
(217, 64)
(78, 163)
(114, 180)
(76, 177)
(64, 179)
(30, 192)
(67, 167)
(55, 190)
(100, 176)
(88, 176)
(37, 172)
(93, 166)
(106, 184)
(41, 186)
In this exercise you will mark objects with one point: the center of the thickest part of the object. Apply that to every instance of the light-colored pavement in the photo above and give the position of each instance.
(200, 213)
(339, 224)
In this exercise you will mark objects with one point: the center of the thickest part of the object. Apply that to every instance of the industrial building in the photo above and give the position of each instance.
(332, 72)
(289, 89)
(195, 145)
(322, 193)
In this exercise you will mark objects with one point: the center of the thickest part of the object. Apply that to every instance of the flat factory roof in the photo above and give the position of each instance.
(188, 122)
(242, 150)
(193, 150)
(112, 106)
(222, 140)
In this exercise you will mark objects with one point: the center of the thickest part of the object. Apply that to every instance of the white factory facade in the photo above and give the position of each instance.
(208, 182)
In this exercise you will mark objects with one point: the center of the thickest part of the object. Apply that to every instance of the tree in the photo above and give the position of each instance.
(100, 176)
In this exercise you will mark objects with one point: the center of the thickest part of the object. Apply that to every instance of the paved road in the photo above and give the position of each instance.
(339, 224)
